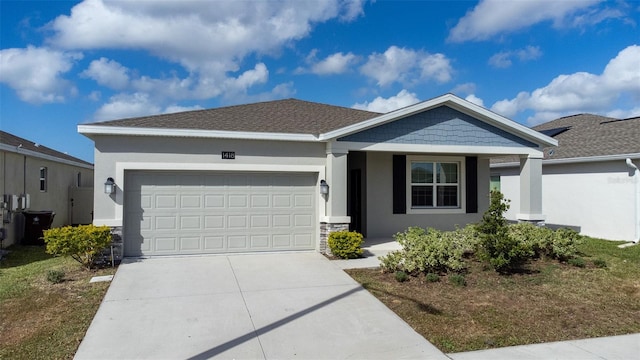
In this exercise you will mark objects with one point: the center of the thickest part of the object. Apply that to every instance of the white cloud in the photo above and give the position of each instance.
(108, 73)
(36, 73)
(192, 33)
(466, 88)
(474, 99)
(493, 17)
(127, 105)
(337, 63)
(177, 108)
(407, 66)
(581, 91)
(382, 105)
(624, 114)
(503, 58)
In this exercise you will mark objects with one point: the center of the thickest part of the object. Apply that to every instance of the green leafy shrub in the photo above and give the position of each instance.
(561, 244)
(401, 276)
(577, 262)
(345, 244)
(83, 243)
(55, 276)
(503, 251)
(425, 251)
(431, 277)
(600, 263)
(458, 279)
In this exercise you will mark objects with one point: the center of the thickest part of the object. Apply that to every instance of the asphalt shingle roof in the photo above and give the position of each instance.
(587, 135)
(21, 143)
(279, 116)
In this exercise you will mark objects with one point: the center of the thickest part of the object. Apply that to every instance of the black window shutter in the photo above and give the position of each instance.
(472, 184)
(399, 184)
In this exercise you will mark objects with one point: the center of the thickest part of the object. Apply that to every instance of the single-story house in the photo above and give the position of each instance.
(281, 175)
(586, 180)
(37, 178)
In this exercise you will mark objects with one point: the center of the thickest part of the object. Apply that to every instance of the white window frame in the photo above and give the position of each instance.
(460, 160)
(43, 183)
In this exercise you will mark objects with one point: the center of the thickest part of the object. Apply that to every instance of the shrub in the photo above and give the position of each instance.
(431, 277)
(577, 262)
(458, 279)
(600, 263)
(55, 276)
(424, 251)
(83, 243)
(345, 244)
(401, 276)
(503, 251)
(560, 244)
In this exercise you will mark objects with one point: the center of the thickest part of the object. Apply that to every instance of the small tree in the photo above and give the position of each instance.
(503, 251)
(83, 243)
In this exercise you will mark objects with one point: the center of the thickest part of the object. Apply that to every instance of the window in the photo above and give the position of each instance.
(79, 179)
(434, 183)
(495, 183)
(43, 179)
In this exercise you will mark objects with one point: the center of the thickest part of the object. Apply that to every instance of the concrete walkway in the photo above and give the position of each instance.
(624, 347)
(268, 306)
(373, 248)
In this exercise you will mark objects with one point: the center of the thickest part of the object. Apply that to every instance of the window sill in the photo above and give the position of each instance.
(426, 211)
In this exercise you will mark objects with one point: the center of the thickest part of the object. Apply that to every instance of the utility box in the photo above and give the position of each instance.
(35, 222)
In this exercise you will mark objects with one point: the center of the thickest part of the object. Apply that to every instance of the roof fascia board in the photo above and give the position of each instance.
(455, 103)
(22, 151)
(442, 149)
(576, 160)
(129, 131)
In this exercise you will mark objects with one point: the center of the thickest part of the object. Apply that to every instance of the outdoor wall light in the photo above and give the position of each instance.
(324, 187)
(109, 186)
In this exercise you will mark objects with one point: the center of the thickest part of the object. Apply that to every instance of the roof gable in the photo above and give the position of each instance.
(439, 126)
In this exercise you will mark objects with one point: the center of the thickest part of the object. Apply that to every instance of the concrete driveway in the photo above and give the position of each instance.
(266, 306)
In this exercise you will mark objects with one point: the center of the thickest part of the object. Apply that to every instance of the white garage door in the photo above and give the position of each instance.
(169, 213)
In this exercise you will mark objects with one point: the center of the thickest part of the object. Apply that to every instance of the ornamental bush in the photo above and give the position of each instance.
(561, 244)
(345, 244)
(83, 243)
(503, 251)
(426, 250)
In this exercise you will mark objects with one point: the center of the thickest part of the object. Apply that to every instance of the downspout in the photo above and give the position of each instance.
(636, 175)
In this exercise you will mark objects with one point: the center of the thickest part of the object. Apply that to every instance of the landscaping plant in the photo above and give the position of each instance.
(346, 244)
(82, 243)
(503, 251)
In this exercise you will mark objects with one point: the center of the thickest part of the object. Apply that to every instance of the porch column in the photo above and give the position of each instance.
(531, 189)
(335, 218)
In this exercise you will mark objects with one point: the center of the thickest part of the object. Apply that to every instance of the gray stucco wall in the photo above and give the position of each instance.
(21, 175)
(180, 151)
(381, 221)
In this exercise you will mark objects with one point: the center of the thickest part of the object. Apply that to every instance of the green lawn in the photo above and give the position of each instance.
(551, 301)
(42, 320)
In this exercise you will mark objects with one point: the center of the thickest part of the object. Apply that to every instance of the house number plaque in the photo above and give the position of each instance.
(228, 155)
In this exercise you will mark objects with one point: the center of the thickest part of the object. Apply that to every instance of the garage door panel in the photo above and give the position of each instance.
(208, 212)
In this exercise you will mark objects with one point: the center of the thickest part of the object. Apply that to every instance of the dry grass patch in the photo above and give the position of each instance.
(551, 301)
(40, 319)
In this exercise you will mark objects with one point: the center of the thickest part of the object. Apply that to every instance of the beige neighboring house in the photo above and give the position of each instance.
(281, 175)
(36, 178)
(590, 180)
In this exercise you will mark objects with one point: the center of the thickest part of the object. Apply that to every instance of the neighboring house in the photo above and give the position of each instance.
(252, 177)
(36, 178)
(586, 182)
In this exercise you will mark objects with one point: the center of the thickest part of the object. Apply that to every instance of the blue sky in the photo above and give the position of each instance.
(64, 63)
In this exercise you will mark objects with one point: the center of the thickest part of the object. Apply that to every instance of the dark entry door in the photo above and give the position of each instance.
(355, 203)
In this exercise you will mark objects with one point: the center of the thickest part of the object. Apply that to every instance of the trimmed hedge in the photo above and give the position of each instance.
(346, 244)
(83, 243)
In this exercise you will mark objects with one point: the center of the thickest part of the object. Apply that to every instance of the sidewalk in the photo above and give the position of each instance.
(624, 347)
